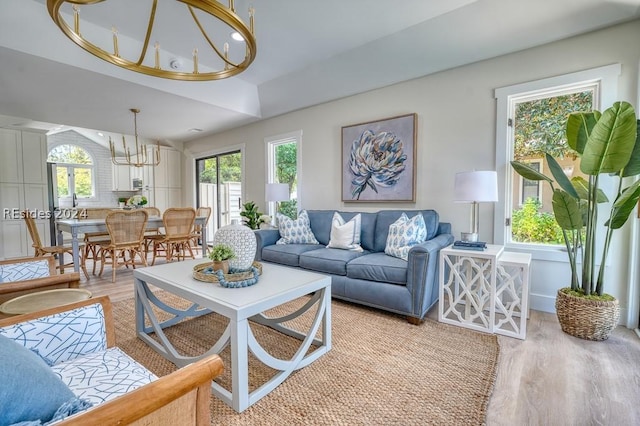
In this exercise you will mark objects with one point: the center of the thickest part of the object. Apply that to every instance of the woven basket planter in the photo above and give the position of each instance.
(587, 319)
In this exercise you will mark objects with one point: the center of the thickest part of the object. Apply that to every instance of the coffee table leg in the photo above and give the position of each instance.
(240, 366)
(143, 298)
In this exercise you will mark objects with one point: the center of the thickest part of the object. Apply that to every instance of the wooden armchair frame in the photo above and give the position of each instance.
(9, 290)
(179, 398)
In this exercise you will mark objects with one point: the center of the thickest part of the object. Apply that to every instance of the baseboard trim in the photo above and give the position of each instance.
(541, 302)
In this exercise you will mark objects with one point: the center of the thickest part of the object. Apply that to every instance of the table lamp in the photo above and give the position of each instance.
(475, 187)
(277, 192)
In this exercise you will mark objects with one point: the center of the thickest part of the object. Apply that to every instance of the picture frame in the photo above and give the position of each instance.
(379, 160)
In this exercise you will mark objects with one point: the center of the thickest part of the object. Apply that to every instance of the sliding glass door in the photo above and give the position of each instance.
(219, 186)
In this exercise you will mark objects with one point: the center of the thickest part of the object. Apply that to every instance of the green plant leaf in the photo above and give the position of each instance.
(611, 141)
(579, 126)
(566, 210)
(582, 188)
(633, 166)
(528, 172)
(624, 205)
(561, 178)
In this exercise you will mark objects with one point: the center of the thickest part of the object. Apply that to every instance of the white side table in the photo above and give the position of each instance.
(468, 289)
(512, 294)
(485, 290)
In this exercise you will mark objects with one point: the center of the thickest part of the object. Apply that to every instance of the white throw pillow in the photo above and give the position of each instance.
(295, 231)
(345, 236)
(405, 233)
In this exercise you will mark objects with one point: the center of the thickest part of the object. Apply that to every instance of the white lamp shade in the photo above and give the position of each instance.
(277, 192)
(476, 186)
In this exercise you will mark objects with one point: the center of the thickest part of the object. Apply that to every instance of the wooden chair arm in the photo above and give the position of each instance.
(181, 397)
(72, 279)
(10, 290)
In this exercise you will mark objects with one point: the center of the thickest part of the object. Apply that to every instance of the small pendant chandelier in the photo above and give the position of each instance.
(141, 157)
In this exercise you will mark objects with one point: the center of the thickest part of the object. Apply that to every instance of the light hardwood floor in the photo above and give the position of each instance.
(550, 378)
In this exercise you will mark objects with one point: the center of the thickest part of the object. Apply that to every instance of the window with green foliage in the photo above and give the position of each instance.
(539, 122)
(75, 171)
(530, 225)
(283, 168)
(531, 119)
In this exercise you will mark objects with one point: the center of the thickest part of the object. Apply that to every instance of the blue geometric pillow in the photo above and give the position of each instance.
(405, 233)
(24, 271)
(295, 231)
(30, 391)
(62, 336)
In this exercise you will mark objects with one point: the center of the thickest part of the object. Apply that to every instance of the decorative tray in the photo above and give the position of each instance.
(234, 279)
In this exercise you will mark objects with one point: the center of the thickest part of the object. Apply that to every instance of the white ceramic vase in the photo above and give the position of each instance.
(243, 242)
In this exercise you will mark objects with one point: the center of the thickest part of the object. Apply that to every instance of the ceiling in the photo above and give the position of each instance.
(309, 52)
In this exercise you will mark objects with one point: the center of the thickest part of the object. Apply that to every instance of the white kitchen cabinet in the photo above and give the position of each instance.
(11, 159)
(167, 180)
(167, 197)
(121, 177)
(15, 198)
(24, 158)
(168, 174)
(23, 185)
(34, 158)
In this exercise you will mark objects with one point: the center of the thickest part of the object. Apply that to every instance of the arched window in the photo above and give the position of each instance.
(74, 169)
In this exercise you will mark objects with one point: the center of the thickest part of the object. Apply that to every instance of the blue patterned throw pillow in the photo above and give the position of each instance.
(295, 231)
(405, 233)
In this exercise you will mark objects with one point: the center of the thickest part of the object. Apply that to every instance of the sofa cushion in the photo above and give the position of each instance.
(287, 254)
(103, 376)
(320, 222)
(30, 391)
(24, 271)
(295, 231)
(328, 260)
(405, 233)
(345, 235)
(387, 217)
(62, 336)
(378, 267)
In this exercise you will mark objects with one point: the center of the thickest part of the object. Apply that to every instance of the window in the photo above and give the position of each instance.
(283, 153)
(531, 189)
(531, 119)
(74, 168)
(219, 186)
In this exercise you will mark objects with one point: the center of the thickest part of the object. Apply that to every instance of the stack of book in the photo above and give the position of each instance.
(470, 245)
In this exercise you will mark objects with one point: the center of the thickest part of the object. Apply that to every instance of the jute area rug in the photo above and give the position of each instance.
(381, 370)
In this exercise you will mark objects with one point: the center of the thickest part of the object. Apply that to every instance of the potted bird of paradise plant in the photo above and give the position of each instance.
(606, 143)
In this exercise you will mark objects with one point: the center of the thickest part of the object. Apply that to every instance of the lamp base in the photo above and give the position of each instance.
(469, 236)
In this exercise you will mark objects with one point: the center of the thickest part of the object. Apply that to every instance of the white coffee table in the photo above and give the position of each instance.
(277, 285)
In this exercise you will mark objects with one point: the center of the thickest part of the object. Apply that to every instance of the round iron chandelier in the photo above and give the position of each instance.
(149, 63)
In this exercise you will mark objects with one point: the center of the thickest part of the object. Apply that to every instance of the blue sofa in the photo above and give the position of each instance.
(370, 277)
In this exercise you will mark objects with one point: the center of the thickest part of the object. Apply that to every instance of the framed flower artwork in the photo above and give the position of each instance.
(378, 160)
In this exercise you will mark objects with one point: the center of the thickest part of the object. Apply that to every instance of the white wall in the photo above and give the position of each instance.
(456, 132)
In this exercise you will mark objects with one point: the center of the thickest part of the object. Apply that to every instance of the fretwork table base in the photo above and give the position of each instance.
(485, 290)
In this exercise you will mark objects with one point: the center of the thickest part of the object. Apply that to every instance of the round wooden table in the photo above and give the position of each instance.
(40, 300)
